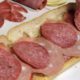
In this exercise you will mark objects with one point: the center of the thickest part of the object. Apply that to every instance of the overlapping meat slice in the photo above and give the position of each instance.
(32, 54)
(10, 67)
(12, 11)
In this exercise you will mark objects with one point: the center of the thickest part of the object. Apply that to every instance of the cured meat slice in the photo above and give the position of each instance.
(32, 53)
(61, 33)
(10, 67)
(12, 16)
(35, 4)
(12, 11)
(56, 58)
(1, 22)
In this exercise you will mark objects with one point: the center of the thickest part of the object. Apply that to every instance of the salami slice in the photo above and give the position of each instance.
(61, 33)
(32, 53)
(56, 58)
(35, 4)
(10, 67)
(12, 11)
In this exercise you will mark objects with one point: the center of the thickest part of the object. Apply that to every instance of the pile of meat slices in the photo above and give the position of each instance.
(45, 54)
(12, 11)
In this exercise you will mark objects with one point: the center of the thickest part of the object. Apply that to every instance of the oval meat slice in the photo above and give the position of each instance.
(35, 4)
(56, 59)
(1, 22)
(61, 33)
(10, 67)
(32, 53)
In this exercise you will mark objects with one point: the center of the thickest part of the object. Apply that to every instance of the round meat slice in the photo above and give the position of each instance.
(56, 58)
(32, 53)
(10, 67)
(62, 34)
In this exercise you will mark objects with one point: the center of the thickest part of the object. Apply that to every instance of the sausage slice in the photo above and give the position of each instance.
(32, 53)
(61, 33)
(10, 67)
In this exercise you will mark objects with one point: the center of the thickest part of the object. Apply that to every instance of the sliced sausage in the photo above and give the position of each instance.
(32, 53)
(56, 58)
(12, 11)
(10, 67)
(61, 33)
(35, 4)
